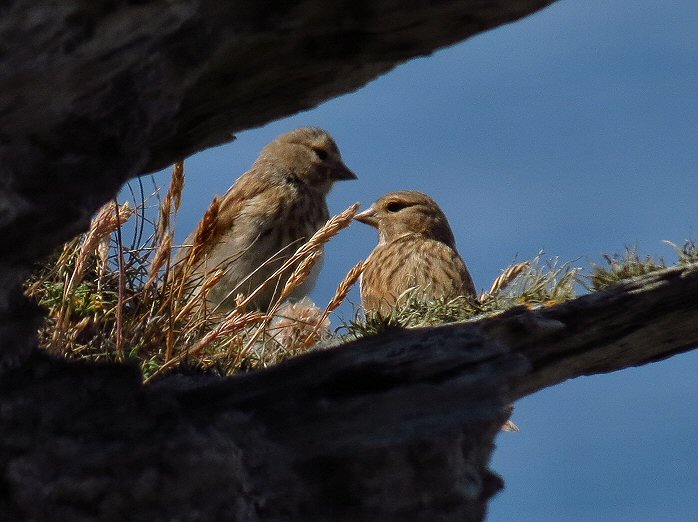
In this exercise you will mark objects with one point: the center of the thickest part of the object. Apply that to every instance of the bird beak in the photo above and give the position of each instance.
(342, 172)
(368, 216)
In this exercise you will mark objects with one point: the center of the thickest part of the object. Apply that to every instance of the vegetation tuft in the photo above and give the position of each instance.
(618, 268)
(109, 300)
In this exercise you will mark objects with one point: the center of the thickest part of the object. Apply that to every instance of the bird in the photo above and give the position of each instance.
(278, 204)
(416, 250)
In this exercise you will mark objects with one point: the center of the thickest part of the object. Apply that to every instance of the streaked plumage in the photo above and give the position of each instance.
(271, 210)
(416, 248)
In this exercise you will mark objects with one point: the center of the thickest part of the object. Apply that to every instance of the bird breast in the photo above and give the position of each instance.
(413, 261)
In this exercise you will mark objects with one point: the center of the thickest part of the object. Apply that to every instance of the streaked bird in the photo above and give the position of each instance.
(416, 249)
(267, 214)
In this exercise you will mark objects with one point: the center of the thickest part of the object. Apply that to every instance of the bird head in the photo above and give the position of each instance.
(406, 213)
(307, 155)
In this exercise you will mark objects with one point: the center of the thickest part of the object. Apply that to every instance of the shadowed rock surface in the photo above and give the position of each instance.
(393, 427)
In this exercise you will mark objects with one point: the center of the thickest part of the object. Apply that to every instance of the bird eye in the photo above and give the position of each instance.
(322, 154)
(395, 206)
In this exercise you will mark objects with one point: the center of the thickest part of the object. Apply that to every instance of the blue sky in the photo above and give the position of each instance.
(574, 131)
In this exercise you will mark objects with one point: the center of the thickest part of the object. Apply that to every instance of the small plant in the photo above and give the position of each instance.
(620, 268)
(688, 252)
(411, 311)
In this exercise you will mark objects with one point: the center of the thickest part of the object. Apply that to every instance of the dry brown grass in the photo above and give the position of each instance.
(107, 300)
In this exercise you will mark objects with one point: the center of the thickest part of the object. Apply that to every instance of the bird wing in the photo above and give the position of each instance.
(229, 207)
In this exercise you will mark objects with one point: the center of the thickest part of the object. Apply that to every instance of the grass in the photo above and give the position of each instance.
(108, 299)
(618, 268)
(688, 252)
(529, 283)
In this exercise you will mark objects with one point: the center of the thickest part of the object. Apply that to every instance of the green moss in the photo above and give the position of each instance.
(619, 268)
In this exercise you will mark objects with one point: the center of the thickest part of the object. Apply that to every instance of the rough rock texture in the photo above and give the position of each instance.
(93, 93)
(398, 427)
(394, 427)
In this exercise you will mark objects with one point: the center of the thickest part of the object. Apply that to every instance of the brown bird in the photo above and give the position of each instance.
(416, 249)
(269, 212)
